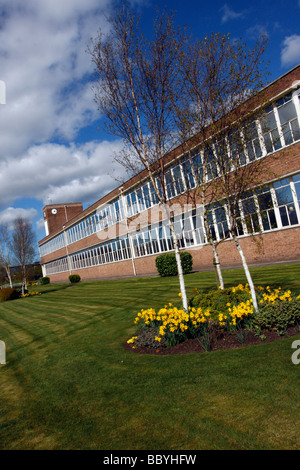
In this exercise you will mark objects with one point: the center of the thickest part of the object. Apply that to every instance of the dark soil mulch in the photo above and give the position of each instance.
(226, 341)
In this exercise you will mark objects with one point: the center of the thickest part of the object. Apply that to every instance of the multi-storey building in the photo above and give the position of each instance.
(116, 237)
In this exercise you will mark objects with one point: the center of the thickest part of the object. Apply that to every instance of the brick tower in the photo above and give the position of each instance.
(56, 215)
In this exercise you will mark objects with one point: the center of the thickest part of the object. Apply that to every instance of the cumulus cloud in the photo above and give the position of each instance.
(10, 214)
(58, 173)
(290, 52)
(45, 70)
(43, 64)
(229, 14)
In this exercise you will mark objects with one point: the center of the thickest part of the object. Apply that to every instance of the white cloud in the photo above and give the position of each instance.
(8, 215)
(46, 70)
(44, 64)
(290, 53)
(40, 224)
(229, 14)
(61, 173)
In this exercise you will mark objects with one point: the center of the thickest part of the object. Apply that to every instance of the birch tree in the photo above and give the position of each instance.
(136, 86)
(5, 257)
(22, 246)
(221, 79)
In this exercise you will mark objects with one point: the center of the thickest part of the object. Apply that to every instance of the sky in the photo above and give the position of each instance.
(52, 146)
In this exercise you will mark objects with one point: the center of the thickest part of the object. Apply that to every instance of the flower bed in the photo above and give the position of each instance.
(217, 317)
(31, 294)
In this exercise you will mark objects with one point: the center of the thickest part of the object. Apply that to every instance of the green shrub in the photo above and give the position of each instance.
(44, 280)
(74, 278)
(216, 301)
(166, 263)
(278, 316)
(186, 261)
(8, 293)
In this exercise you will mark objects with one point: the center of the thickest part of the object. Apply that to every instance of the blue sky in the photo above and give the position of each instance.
(51, 150)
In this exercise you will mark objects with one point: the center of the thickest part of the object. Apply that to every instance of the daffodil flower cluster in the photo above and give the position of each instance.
(31, 294)
(272, 296)
(241, 287)
(132, 340)
(239, 312)
(171, 321)
(171, 325)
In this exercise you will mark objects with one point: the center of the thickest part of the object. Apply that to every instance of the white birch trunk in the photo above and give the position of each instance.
(217, 264)
(247, 272)
(179, 268)
(7, 270)
(9, 279)
(178, 259)
(217, 267)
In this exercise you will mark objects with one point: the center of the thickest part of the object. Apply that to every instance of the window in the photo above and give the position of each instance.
(266, 208)
(217, 221)
(178, 225)
(221, 221)
(152, 195)
(170, 186)
(270, 130)
(296, 181)
(285, 202)
(237, 149)
(210, 162)
(140, 198)
(147, 197)
(188, 173)
(250, 210)
(252, 141)
(288, 119)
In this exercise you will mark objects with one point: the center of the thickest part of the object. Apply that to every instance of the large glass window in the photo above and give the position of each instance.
(210, 162)
(288, 119)
(221, 221)
(198, 166)
(250, 213)
(132, 203)
(266, 208)
(152, 195)
(188, 173)
(296, 180)
(285, 202)
(252, 141)
(270, 130)
(237, 149)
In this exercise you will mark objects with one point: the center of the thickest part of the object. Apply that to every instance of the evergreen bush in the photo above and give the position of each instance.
(166, 263)
(74, 278)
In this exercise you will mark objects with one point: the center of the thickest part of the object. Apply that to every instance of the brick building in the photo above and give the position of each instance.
(122, 233)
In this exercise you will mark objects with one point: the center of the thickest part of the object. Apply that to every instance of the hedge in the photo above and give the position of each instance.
(166, 263)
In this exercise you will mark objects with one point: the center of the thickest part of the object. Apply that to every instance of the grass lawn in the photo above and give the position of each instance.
(69, 383)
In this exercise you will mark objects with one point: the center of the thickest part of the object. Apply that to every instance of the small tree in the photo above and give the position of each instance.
(136, 87)
(4, 252)
(22, 246)
(220, 78)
